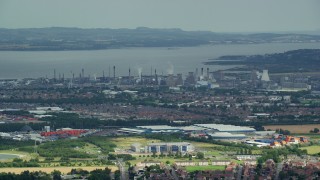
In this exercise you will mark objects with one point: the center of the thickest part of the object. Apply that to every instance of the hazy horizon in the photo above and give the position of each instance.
(228, 16)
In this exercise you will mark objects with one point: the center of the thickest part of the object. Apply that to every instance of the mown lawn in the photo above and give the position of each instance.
(312, 149)
(204, 168)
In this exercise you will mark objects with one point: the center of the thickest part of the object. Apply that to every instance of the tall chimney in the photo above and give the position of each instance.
(129, 73)
(82, 72)
(114, 72)
(208, 72)
(109, 72)
(54, 74)
(201, 71)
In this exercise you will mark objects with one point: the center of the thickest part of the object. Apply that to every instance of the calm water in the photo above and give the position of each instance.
(179, 60)
(7, 156)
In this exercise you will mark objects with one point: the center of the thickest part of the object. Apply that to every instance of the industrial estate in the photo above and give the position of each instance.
(243, 123)
(233, 117)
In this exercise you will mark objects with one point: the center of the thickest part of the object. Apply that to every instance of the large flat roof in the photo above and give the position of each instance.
(226, 135)
(169, 143)
(160, 127)
(226, 128)
(192, 128)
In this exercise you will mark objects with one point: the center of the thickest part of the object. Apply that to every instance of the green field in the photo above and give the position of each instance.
(312, 149)
(204, 168)
(126, 142)
(21, 154)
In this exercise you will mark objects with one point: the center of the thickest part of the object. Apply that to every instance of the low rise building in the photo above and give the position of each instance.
(171, 147)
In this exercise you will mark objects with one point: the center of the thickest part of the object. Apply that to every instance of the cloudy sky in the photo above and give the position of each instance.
(212, 15)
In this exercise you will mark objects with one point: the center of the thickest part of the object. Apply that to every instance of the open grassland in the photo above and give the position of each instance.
(203, 145)
(90, 149)
(63, 170)
(125, 142)
(312, 149)
(204, 168)
(294, 128)
(22, 155)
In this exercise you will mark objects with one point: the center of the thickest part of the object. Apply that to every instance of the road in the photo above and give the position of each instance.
(123, 170)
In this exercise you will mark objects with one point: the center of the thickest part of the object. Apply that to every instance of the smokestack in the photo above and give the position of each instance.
(155, 73)
(54, 74)
(196, 76)
(72, 76)
(129, 73)
(208, 72)
(109, 72)
(201, 71)
(114, 72)
(82, 72)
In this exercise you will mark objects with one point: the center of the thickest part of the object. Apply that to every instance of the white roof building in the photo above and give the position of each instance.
(226, 128)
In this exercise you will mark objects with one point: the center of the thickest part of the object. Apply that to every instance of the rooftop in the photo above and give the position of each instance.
(160, 127)
(226, 128)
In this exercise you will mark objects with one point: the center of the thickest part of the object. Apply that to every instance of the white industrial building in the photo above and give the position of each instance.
(226, 135)
(226, 128)
(159, 129)
(169, 147)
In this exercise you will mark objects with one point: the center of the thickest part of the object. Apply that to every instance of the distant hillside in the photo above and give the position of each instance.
(302, 60)
(86, 39)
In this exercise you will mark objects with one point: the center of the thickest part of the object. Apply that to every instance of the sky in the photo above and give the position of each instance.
(206, 15)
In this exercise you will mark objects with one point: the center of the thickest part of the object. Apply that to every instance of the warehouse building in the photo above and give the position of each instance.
(226, 135)
(226, 128)
(159, 129)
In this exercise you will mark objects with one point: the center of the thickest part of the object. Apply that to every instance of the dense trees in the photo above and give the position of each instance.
(63, 148)
(68, 148)
(26, 175)
(10, 144)
(56, 175)
(100, 174)
(20, 163)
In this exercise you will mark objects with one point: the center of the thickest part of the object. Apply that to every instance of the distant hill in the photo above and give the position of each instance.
(302, 60)
(57, 38)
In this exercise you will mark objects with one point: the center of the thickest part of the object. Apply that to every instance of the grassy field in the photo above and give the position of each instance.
(63, 170)
(90, 149)
(125, 142)
(22, 155)
(312, 149)
(204, 168)
(294, 128)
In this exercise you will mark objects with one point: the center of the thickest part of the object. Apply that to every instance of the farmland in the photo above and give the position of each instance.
(312, 149)
(294, 128)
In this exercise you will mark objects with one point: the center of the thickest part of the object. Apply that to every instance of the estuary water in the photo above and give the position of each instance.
(32, 64)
